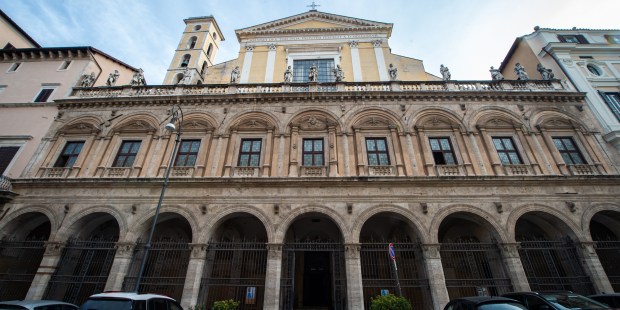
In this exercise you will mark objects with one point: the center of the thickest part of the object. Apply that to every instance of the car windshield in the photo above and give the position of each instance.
(573, 301)
(107, 304)
(502, 306)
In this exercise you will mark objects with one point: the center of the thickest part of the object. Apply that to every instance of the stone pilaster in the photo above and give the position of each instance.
(272, 279)
(512, 261)
(593, 267)
(51, 257)
(194, 274)
(355, 293)
(120, 266)
(436, 277)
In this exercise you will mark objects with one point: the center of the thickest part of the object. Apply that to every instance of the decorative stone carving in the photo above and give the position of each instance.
(495, 74)
(88, 80)
(393, 72)
(424, 207)
(499, 207)
(272, 47)
(376, 43)
(288, 75)
(313, 75)
(352, 251)
(187, 77)
(571, 206)
(520, 71)
(199, 250)
(313, 122)
(125, 249)
(545, 73)
(445, 73)
(353, 44)
(234, 75)
(138, 78)
(274, 251)
(112, 78)
(338, 74)
(249, 48)
(510, 250)
(53, 248)
(431, 251)
(588, 249)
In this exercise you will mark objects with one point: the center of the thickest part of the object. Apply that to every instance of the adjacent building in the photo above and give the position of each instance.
(298, 163)
(587, 58)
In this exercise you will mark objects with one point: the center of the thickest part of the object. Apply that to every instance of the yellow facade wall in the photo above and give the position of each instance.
(280, 64)
(313, 24)
(346, 63)
(259, 64)
(409, 69)
(523, 54)
(368, 62)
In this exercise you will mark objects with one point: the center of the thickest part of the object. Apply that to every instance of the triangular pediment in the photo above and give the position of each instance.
(314, 21)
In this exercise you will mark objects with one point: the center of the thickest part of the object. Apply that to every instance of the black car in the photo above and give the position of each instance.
(555, 300)
(484, 303)
(612, 300)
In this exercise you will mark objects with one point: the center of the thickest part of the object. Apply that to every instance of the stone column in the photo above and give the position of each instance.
(271, 300)
(293, 167)
(383, 72)
(267, 159)
(429, 162)
(593, 267)
(398, 153)
(194, 275)
(436, 277)
(355, 60)
(120, 266)
(333, 152)
(247, 64)
(51, 257)
(230, 153)
(512, 261)
(271, 60)
(353, 265)
(559, 161)
(490, 151)
(359, 153)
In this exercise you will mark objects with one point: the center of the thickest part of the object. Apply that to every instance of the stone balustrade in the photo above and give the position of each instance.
(5, 184)
(393, 86)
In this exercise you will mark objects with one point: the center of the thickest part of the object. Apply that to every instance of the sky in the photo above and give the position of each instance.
(467, 36)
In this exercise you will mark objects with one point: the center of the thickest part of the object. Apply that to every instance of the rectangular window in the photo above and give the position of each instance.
(578, 39)
(325, 67)
(44, 95)
(613, 38)
(6, 156)
(14, 67)
(127, 154)
(377, 151)
(313, 152)
(65, 65)
(249, 155)
(506, 150)
(187, 154)
(569, 151)
(69, 154)
(442, 151)
(613, 102)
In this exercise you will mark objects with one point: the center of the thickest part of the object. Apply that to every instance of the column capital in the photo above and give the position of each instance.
(431, 250)
(53, 248)
(125, 249)
(588, 248)
(353, 44)
(510, 250)
(199, 250)
(274, 250)
(352, 250)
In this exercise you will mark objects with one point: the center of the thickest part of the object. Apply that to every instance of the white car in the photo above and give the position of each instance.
(130, 301)
(36, 305)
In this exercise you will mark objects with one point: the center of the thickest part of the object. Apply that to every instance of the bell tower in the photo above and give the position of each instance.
(196, 51)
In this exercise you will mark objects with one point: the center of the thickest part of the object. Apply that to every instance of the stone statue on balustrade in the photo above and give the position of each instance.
(338, 74)
(445, 73)
(288, 75)
(313, 75)
(520, 71)
(88, 80)
(495, 74)
(393, 72)
(234, 75)
(112, 78)
(545, 73)
(138, 78)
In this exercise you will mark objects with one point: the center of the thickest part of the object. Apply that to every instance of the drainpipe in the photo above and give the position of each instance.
(561, 67)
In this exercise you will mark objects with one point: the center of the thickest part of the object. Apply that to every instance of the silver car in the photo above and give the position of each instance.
(36, 305)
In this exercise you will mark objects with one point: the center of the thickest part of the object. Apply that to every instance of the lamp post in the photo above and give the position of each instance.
(177, 116)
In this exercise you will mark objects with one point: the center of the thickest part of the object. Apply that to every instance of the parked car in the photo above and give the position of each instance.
(612, 300)
(130, 301)
(484, 303)
(36, 305)
(556, 300)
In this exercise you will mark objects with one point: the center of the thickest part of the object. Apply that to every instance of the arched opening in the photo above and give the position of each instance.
(178, 78)
(605, 231)
(191, 43)
(185, 60)
(236, 263)
(86, 259)
(21, 250)
(471, 258)
(550, 258)
(203, 69)
(313, 271)
(378, 268)
(209, 50)
(168, 258)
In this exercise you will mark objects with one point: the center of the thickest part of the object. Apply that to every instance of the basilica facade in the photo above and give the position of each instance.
(298, 163)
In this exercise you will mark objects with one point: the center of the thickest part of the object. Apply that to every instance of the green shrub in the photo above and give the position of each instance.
(225, 305)
(389, 302)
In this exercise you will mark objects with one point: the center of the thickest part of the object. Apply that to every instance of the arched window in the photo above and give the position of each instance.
(185, 60)
(203, 70)
(214, 36)
(178, 78)
(209, 50)
(191, 43)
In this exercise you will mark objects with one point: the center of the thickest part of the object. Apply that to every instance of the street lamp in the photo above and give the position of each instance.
(177, 116)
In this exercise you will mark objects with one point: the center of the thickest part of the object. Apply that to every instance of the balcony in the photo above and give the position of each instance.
(517, 169)
(381, 171)
(313, 171)
(117, 172)
(246, 172)
(583, 169)
(56, 172)
(450, 170)
(350, 87)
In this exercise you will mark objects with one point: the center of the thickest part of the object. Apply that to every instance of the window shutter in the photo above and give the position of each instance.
(6, 156)
(581, 39)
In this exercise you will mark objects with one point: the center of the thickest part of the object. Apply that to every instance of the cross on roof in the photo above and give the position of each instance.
(313, 6)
